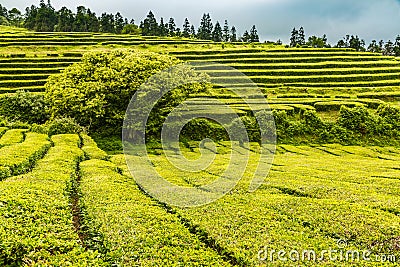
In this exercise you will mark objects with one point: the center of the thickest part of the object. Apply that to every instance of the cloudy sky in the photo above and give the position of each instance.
(370, 19)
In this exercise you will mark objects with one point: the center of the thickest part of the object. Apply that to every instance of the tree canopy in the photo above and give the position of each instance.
(97, 90)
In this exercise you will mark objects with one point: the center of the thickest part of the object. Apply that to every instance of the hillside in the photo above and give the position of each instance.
(315, 78)
(332, 186)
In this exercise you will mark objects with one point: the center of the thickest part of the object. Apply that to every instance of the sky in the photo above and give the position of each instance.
(370, 19)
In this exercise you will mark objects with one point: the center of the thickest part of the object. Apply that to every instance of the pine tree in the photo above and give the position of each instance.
(80, 23)
(294, 38)
(246, 37)
(217, 33)
(397, 46)
(192, 32)
(178, 32)
(30, 17)
(233, 36)
(301, 36)
(388, 49)
(119, 23)
(162, 28)
(254, 35)
(107, 23)
(171, 27)
(149, 26)
(226, 33)
(65, 20)
(3, 11)
(15, 17)
(46, 18)
(206, 28)
(186, 28)
(374, 47)
(93, 22)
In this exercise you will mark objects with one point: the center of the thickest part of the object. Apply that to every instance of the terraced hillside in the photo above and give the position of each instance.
(66, 202)
(311, 70)
(293, 79)
(35, 56)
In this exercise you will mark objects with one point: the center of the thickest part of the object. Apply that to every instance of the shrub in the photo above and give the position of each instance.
(63, 126)
(199, 129)
(25, 107)
(358, 119)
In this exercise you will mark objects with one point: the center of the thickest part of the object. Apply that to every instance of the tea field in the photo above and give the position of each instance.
(66, 202)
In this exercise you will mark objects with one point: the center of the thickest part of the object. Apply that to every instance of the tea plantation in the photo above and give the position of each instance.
(66, 202)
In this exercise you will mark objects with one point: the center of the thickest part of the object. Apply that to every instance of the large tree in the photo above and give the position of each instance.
(186, 28)
(217, 33)
(149, 26)
(206, 28)
(171, 27)
(254, 35)
(46, 18)
(301, 37)
(233, 36)
(119, 23)
(96, 91)
(81, 20)
(65, 20)
(294, 37)
(226, 32)
(163, 28)
(107, 23)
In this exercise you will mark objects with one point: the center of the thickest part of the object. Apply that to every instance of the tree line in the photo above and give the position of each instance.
(388, 48)
(44, 18)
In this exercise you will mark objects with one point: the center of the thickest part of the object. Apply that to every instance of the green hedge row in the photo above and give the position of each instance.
(317, 66)
(49, 43)
(379, 95)
(347, 84)
(30, 71)
(37, 222)
(152, 42)
(23, 77)
(12, 136)
(21, 157)
(16, 84)
(91, 149)
(72, 39)
(40, 59)
(300, 59)
(335, 105)
(136, 230)
(258, 50)
(34, 65)
(308, 79)
(302, 72)
(33, 89)
(288, 54)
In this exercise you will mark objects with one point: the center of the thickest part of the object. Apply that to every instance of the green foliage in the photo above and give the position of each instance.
(63, 126)
(36, 209)
(139, 231)
(199, 129)
(91, 150)
(21, 157)
(13, 136)
(335, 105)
(97, 90)
(109, 143)
(23, 106)
(359, 120)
